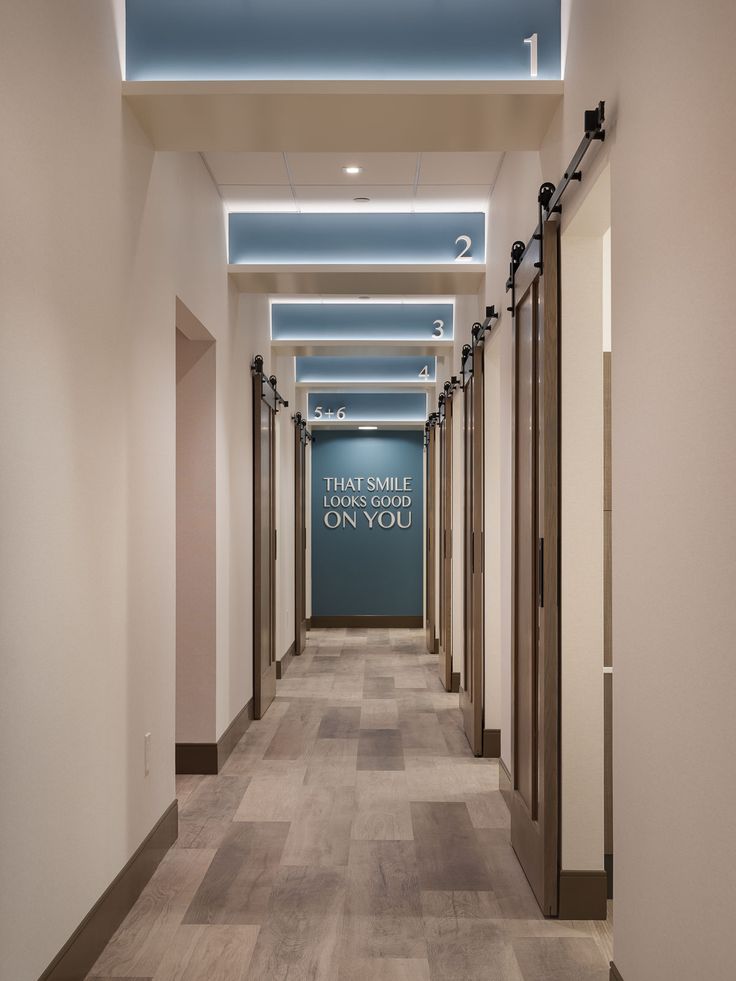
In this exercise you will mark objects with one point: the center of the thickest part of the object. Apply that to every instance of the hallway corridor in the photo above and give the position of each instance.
(351, 836)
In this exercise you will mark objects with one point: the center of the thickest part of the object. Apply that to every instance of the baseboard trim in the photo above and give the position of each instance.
(491, 744)
(615, 975)
(209, 758)
(367, 621)
(198, 758)
(504, 781)
(282, 666)
(608, 866)
(79, 953)
(309, 623)
(234, 733)
(455, 684)
(583, 895)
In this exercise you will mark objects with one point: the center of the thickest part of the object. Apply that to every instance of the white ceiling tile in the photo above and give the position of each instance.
(459, 168)
(253, 198)
(378, 168)
(248, 168)
(445, 197)
(382, 198)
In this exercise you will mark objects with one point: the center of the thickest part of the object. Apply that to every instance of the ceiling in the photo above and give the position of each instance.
(316, 182)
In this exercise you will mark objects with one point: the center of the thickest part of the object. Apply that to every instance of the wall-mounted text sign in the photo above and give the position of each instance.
(362, 321)
(367, 406)
(380, 502)
(357, 239)
(341, 39)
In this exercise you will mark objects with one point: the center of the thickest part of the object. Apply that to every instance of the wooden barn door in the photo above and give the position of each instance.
(445, 543)
(300, 534)
(264, 542)
(431, 544)
(471, 692)
(536, 549)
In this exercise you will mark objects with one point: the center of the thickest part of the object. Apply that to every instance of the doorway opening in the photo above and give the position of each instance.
(195, 544)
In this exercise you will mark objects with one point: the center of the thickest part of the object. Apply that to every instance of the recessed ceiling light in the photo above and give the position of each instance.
(367, 427)
(362, 200)
(352, 170)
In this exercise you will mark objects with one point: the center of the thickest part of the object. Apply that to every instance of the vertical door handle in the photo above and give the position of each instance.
(540, 571)
(275, 544)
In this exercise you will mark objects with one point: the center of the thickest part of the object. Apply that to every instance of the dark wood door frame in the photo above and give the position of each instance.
(430, 444)
(472, 694)
(449, 679)
(265, 406)
(301, 439)
(534, 800)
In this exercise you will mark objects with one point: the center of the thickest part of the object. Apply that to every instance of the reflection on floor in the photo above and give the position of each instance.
(351, 836)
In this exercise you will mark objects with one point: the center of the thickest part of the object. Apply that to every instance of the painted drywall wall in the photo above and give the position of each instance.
(196, 534)
(581, 521)
(374, 568)
(283, 367)
(673, 458)
(87, 391)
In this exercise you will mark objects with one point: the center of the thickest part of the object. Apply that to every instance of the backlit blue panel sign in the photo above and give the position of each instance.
(397, 369)
(273, 238)
(341, 39)
(362, 321)
(367, 406)
(367, 517)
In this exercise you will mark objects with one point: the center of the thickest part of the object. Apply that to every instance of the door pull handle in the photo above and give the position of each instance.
(540, 571)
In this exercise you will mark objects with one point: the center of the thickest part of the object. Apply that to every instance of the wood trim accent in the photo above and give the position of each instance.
(282, 666)
(608, 866)
(615, 974)
(505, 783)
(583, 895)
(234, 733)
(491, 744)
(85, 945)
(455, 687)
(209, 758)
(367, 621)
(200, 758)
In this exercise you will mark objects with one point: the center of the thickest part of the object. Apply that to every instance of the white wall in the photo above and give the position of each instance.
(98, 239)
(581, 520)
(283, 368)
(674, 470)
(669, 81)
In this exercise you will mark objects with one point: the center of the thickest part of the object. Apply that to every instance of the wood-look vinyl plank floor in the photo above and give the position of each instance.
(139, 944)
(238, 883)
(352, 836)
(384, 969)
(209, 953)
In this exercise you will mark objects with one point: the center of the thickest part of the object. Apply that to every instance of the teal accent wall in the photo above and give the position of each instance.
(299, 39)
(364, 571)
(399, 368)
(361, 321)
(344, 239)
(368, 406)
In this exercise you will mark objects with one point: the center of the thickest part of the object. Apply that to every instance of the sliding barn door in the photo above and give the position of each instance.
(300, 536)
(445, 544)
(264, 544)
(471, 693)
(431, 545)
(535, 661)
